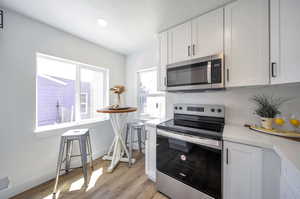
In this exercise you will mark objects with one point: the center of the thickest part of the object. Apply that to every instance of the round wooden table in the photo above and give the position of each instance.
(118, 148)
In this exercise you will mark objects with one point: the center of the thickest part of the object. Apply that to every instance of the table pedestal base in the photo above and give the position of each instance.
(111, 167)
(118, 148)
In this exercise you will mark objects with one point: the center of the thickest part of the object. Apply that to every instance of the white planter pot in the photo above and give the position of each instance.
(266, 122)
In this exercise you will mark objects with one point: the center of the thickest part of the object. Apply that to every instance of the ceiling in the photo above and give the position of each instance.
(131, 23)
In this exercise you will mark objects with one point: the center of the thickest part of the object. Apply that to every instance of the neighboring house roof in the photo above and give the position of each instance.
(53, 79)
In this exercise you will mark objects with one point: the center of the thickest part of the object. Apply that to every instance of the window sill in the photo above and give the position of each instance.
(43, 129)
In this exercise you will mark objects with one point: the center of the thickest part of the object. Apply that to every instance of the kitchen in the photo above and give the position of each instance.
(208, 67)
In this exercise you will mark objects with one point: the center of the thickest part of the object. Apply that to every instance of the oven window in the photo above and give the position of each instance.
(187, 75)
(194, 165)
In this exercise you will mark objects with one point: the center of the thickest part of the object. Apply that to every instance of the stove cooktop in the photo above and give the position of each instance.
(206, 130)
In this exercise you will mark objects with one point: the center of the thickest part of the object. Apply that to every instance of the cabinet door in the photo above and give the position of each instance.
(242, 171)
(180, 39)
(163, 61)
(247, 43)
(150, 153)
(285, 41)
(208, 34)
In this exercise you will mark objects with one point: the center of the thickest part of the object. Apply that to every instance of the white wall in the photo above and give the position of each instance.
(239, 110)
(145, 58)
(28, 158)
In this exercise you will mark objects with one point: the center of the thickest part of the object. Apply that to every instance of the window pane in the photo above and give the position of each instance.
(152, 106)
(55, 91)
(92, 86)
(151, 101)
(148, 82)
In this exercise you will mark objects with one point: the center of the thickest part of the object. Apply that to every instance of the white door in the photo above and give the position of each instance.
(150, 153)
(163, 61)
(180, 39)
(208, 34)
(242, 166)
(247, 43)
(285, 41)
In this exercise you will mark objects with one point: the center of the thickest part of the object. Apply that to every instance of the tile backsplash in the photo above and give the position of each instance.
(239, 109)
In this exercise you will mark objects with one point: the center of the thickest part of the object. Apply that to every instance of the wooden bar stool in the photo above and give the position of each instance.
(66, 146)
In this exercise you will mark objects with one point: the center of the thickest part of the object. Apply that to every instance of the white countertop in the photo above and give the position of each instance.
(154, 122)
(288, 150)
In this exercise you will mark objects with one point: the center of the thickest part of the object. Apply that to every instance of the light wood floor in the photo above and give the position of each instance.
(123, 183)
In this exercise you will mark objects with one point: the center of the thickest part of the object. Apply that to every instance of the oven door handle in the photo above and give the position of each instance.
(216, 144)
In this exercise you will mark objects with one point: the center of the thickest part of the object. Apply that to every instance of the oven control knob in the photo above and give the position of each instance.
(219, 110)
(176, 108)
(180, 108)
(183, 157)
(212, 110)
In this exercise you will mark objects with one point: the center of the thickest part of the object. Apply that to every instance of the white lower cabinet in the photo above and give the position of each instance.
(150, 153)
(289, 181)
(242, 171)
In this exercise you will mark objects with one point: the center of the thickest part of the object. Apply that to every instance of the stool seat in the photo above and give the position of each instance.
(75, 132)
(136, 124)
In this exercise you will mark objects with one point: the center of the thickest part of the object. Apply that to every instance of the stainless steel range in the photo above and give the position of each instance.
(189, 152)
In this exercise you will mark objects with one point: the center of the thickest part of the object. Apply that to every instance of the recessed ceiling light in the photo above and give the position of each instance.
(102, 22)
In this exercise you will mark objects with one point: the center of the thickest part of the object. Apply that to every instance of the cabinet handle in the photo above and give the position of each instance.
(193, 49)
(189, 51)
(227, 75)
(227, 156)
(165, 81)
(273, 69)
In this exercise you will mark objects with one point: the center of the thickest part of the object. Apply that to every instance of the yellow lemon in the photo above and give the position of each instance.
(295, 122)
(279, 121)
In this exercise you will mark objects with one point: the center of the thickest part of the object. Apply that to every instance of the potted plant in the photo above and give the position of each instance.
(267, 108)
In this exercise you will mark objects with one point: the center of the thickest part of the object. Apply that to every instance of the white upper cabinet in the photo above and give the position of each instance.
(163, 60)
(247, 43)
(242, 166)
(207, 34)
(180, 39)
(285, 41)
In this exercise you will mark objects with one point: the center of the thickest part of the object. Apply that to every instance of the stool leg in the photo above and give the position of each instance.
(68, 154)
(126, 134)
(89, 146)
(82, 146)
(139, 135)
(59, 162)
(130, 146)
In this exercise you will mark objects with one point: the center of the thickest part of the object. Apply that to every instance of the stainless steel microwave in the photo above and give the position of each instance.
(199, 74)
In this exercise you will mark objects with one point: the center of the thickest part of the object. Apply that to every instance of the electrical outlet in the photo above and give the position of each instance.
(4, 182)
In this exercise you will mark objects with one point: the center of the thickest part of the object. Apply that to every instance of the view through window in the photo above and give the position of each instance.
(151, 102)
(68, 91)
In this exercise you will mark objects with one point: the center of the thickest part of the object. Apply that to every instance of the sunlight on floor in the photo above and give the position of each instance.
(51, 195)
(96, 174)
(77, 184)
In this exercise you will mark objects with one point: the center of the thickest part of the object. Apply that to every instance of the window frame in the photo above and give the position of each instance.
(85, 103)
(157, 94)
(78, 121)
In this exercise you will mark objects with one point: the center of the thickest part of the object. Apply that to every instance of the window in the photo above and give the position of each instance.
(83, 103)
(69, 92)
(151, 102)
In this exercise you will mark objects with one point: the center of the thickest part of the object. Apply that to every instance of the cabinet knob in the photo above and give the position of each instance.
(193, 49)
(227, 75)
(273, 69)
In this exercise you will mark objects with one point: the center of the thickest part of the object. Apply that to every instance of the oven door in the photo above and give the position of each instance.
(189, 76)
(193, 161)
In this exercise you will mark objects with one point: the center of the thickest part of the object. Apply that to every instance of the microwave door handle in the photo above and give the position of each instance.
(209, 72)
